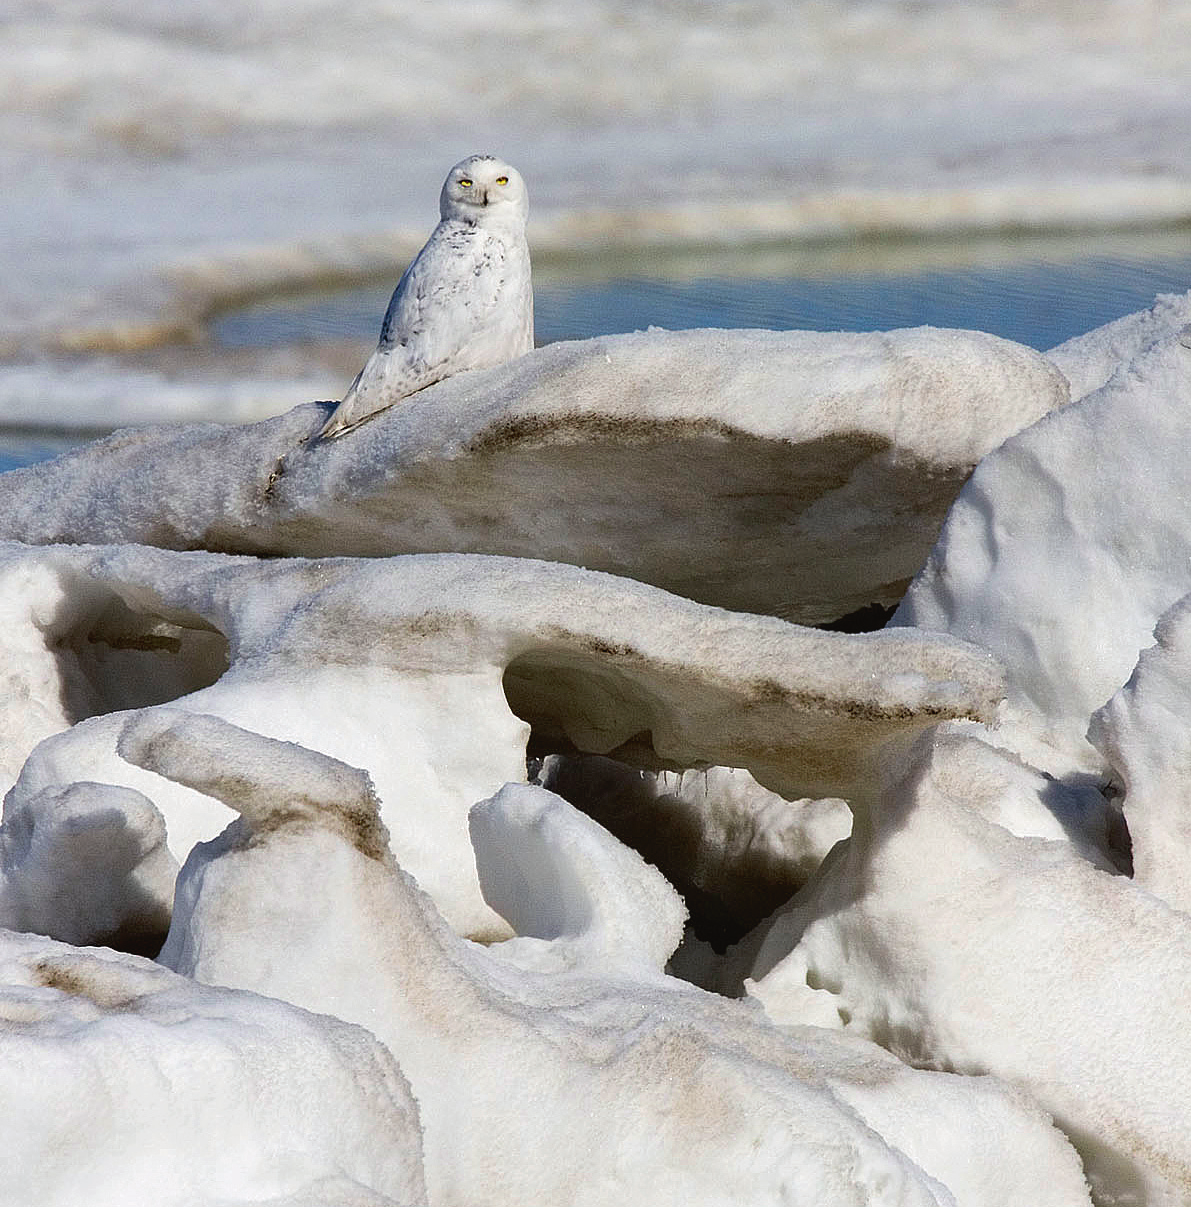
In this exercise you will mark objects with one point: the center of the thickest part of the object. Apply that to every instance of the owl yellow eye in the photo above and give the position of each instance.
(502, 180)
(465, 183)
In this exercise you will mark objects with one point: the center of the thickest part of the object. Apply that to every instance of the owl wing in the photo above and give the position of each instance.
(438, 313)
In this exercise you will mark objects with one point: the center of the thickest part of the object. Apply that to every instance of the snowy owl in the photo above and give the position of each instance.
(466, 302)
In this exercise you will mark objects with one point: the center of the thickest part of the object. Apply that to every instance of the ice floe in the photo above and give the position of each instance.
(430, 670)
(122, 1082)
(650, 1088)
(796, 473)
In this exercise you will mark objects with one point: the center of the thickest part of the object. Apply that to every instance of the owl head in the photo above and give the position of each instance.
(484, 189)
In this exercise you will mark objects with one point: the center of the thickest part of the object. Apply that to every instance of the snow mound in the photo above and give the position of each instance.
(86, 863)
(686, 1097)
(1066, 546)
(124, 1083)
(432, 671)
(794, 473)
(960, 929)
(551, 872)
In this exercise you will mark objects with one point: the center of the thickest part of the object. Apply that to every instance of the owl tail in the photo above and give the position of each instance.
(335, 426)
(342, 420)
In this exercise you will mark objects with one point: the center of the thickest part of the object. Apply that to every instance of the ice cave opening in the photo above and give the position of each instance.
(113, 654)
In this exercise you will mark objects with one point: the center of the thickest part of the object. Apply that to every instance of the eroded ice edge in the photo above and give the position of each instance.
(931, 933)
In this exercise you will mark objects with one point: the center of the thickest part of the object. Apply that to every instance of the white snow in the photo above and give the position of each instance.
(1143, 733)
(87, 863)
(1069, 542)
(571, 894)
(960, 930)
(1089, 360)
(799, 473)
(123, 1083)
(642, 1086)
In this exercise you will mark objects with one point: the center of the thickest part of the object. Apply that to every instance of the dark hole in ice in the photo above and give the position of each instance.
(868, 619)
(136, 940)
(118, 657)
(591, 743)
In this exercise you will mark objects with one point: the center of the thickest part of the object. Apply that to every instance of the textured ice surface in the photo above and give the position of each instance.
(1144, 732)
(1090, 360)
(429, 670)
(1068, 543)
(961, 929)
(122, 1082)
(562, 1065)
(87, 863)
(797, 473)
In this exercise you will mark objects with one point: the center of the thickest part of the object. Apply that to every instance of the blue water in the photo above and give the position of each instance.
(1036, 304)
(1042, 300)
(28, 448)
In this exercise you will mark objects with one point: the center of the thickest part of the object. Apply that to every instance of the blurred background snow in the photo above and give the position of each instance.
(166, 162)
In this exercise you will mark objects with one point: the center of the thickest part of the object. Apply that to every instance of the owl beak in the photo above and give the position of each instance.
(485, 198)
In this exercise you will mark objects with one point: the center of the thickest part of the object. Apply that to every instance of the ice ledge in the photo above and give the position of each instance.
(797, 473)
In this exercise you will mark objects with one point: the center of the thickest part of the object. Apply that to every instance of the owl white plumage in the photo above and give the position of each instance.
(466, 301)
